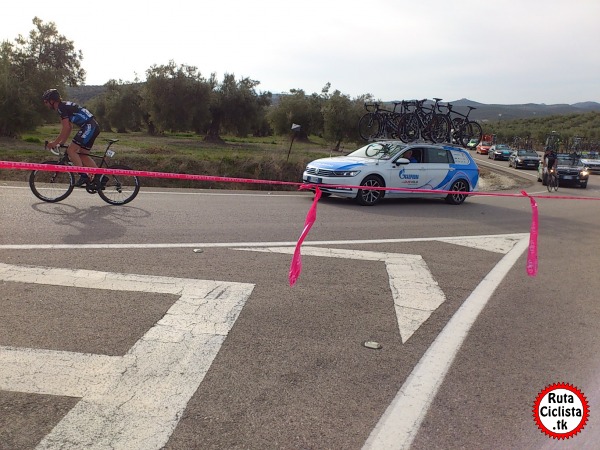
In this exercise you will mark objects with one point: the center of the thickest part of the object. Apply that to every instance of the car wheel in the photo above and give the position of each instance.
(583, 185)
(459, 185)
(369, 197)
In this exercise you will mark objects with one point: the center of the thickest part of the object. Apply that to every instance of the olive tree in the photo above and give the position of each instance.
(297, 107)
(29, 66)
(236, 107)
(177, 98)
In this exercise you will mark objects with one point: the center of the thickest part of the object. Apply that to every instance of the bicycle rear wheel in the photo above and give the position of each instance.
(369, 126)
(470, 130)
(408, 128)
(439, 128)
(51, 186)
(119, 189)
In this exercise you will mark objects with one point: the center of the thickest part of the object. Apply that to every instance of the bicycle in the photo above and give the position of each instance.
(552, 180)
(379, 122)
(424, 123)
(377, 149)
(53, 187)
(463, 130)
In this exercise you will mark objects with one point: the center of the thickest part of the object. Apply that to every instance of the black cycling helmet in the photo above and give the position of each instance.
(51, 94)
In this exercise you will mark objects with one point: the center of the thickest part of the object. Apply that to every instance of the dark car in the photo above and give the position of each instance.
(526, 159)
(500, 151)
(570, 170)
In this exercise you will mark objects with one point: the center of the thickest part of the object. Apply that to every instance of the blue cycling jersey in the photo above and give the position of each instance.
(75, 113)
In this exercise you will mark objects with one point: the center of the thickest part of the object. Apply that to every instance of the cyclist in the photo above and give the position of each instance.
(71, 113)
(549, 159)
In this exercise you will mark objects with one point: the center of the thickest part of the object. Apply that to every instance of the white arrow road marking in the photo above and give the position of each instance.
(134, 401)
(414, 291)
(402, 419)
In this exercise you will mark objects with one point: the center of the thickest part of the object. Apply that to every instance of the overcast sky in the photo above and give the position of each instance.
(500, 51)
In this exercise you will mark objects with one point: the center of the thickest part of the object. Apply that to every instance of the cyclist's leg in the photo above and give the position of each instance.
(80, 147)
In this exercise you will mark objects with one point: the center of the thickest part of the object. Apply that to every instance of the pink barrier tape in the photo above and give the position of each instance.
(296, 264)
(532, 255)
(311, 216)
(138, 173)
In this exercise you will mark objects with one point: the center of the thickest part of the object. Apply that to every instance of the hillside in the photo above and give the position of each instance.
(495, 112)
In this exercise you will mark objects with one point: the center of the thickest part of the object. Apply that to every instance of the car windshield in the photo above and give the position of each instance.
(502, 147)
(567, 158)
(527, 153)
(378, 150)
(592, 156)
(486, 143)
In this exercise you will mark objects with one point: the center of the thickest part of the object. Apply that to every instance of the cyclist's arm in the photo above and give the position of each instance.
(65, 132)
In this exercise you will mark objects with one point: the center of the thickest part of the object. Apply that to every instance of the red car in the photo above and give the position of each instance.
(483, 148)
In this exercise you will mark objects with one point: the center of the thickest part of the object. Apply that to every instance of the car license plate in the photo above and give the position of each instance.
(567, 177)
(311, 179)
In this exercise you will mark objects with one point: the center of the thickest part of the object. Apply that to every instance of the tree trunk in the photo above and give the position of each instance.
(213, 132)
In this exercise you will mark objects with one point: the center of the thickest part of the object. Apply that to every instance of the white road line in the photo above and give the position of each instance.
(134, 401)
(415, 293)
(451, 239)
(401, 421)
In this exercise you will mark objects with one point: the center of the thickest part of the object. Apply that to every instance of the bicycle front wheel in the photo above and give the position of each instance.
(552, 183)
(51, 186)
(368, 126)
(119, 189)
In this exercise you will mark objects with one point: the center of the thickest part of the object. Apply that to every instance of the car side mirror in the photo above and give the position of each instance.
(401, 161)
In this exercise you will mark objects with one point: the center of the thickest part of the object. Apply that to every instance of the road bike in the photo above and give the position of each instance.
(552, 180)
(377, 149)
(379, 122)
(424, 123)
(53, 186)
(463, 130)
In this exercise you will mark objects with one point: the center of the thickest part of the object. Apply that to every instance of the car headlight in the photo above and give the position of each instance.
(345, 173)
(584, 173)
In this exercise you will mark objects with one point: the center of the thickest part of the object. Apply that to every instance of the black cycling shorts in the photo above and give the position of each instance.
(87, 134)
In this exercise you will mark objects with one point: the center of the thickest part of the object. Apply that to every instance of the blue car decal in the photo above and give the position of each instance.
(408, 176)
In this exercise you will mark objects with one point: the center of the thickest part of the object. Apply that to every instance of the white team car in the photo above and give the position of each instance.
(592, 161)
(386, 164)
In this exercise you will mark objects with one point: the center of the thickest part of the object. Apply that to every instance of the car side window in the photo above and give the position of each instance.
(417, 153)
(437, 156)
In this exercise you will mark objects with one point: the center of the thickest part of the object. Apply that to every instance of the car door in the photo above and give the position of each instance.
(437, 171)
(407, 175)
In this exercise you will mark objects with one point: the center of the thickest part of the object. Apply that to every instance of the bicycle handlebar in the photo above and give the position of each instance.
(54, 150)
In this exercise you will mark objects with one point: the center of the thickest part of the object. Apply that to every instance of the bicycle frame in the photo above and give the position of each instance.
(64, 158)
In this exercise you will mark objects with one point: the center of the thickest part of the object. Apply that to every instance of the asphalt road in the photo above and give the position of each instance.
(170, 322)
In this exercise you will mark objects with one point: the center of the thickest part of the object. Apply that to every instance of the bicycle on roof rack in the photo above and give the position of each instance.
(463, 129)
(424, 123)
(380, 123)
(54, 186)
